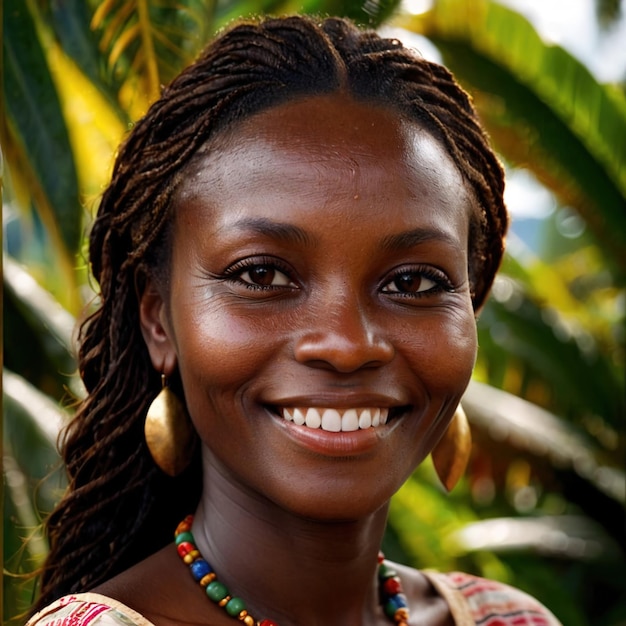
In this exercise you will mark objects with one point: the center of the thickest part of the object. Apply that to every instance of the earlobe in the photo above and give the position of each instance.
(155, 328)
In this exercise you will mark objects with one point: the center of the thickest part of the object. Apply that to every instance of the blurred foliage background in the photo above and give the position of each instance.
(542, 505)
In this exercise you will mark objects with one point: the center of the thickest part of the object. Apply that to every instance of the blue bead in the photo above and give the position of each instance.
(200, 568)
(394, 603)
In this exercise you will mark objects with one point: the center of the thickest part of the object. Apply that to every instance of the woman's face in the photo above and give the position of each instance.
(318, 273)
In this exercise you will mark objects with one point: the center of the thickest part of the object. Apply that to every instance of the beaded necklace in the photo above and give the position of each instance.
(392, 598)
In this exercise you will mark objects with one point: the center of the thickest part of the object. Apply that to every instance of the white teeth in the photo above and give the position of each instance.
(331, 420)
(334, 420)
(365, 421)
(350, 421)
(313, 419)
(298, 417)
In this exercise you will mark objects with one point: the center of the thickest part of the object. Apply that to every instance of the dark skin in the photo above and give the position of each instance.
(319, 261)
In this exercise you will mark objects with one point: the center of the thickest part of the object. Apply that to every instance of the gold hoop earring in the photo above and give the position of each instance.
(451, 455)
(169, 432)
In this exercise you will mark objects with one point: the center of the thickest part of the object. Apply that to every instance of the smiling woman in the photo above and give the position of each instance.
(295, 240)
(325, 275)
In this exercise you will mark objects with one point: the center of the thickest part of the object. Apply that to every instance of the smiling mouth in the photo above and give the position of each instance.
(337, 420)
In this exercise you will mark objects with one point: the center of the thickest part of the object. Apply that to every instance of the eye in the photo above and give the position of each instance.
(413, 282)
(264, 276)
(259, 276)
(409, 282)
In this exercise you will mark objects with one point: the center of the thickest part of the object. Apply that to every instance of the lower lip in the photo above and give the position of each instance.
(339, 444)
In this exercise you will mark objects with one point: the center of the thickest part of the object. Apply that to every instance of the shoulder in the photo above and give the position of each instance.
(87, 609)
(493, 603)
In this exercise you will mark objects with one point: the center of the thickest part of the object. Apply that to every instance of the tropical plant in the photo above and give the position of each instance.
(543, 503)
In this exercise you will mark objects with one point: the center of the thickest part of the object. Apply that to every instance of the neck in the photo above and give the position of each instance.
(287, 568)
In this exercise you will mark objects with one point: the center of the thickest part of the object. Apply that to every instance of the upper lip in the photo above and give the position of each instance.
(338, 401)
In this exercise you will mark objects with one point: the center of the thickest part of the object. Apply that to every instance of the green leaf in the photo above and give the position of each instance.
(70, 20)
(23, 544)
(151, 42)
(36, 135)
(369, 13)
(33, 483)
(36, 324)
(542, 108)
(31, 426)
(533, 431)
(581, 384)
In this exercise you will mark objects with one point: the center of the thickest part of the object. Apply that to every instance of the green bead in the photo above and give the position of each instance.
(384, 572)
(186, 536)
(234, 606)
(390, 609)
(216, 591)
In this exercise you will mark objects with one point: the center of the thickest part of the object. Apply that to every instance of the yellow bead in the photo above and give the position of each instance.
(190, 557)
(209, 578)
(224, 601)
(248, 620)
(401, 616)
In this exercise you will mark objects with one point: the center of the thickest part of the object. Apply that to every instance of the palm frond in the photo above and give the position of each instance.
(148, 43)
(542, 107)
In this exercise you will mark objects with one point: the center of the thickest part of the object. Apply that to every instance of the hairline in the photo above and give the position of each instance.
(223, 137)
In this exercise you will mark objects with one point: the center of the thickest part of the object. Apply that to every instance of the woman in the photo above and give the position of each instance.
(294, 243)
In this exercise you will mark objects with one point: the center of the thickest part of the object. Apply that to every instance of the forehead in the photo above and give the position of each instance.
(358, 150)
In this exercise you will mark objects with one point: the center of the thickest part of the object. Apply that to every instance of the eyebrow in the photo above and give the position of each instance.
(291, 234)
(412, 238)
(281, 231)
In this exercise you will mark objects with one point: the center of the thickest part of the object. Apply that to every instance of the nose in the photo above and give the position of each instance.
(343, 338)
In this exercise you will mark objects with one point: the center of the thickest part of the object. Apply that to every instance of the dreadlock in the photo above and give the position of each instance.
(119, 507)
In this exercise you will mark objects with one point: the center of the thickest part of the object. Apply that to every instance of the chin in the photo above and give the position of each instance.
(326, 503)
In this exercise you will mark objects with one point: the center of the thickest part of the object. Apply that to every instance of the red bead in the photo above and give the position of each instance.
(267, 622)
(381, 558)
(185, 548)
(392, 586)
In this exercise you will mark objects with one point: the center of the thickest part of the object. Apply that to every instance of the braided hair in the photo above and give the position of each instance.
(119, 507)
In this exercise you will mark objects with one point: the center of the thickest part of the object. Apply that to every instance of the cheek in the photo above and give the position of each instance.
(443, 358)
(445, 352)
(219, 351)
(461, 341)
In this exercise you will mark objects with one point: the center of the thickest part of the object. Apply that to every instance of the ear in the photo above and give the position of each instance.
(155, 328)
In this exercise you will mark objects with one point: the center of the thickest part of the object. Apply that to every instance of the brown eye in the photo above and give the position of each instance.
(264, 276)
(409, 282)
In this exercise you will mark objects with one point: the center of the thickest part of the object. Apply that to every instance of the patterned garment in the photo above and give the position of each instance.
(491, 603)
(87, 609)
(473, 601)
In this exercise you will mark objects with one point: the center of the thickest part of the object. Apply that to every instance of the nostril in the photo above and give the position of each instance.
(343, 353)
